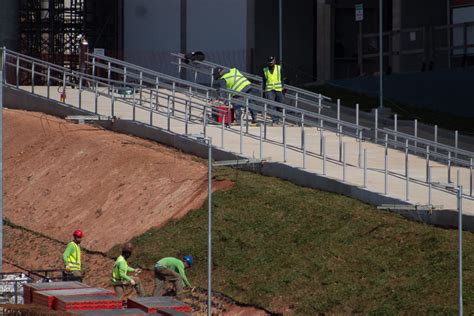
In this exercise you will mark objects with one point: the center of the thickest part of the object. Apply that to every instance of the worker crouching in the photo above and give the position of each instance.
(120, 278)
(172, 270)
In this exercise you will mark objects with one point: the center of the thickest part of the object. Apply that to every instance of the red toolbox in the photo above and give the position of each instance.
(223, 114)
(48, 297)
(158, 304)
(70, 303)
(29, 288)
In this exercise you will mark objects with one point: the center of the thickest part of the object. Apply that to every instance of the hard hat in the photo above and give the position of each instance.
(218, 72)
(78, 233)
(188, 259)
(128, 247)
(271, 60)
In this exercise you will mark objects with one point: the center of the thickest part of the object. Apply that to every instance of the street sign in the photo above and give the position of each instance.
(359, 12)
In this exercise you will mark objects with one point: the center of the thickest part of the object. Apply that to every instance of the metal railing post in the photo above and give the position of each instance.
(376, 125)
(109, 70)
(186, 118)
(365, 167)
(427, 161)
(48, 83)
(265, 121)
(406, 158)
(93, 66)
(359, 156)
(338, 112)
(395, 128)
(222, 129)
(321, 138)
(112, 110)
(449, 167)
(96, 96)
(340, 144)
(416, 135)
(357, 116)
(284, 135)
(80, 92)
(302, 130)
(470, 177)
(261, 141)
(407, 181)
(456, 135)
(168, 113)
(17, 70)
(458, 178)
(64, 85)
(134, 103)
(33, 77)
(460, 226)
(436, 138)
(241, 136)
(385, 165)
(246, 115)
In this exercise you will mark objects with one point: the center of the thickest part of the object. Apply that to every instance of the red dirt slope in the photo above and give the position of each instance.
(61, 176)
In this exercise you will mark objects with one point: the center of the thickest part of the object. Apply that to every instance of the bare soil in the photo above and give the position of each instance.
(60, 176)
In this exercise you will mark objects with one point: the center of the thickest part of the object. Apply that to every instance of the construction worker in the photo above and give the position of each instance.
(272, 83)
(72, 258)
(172, 270)
(235, 81)
(120, 279)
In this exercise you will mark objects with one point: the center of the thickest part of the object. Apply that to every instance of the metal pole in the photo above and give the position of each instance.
(324, 155)
(407, 183)
(357, 114)
(340, 144)
(436, 138)
(459, 196)
(385, 165)
(449, 167)
(458, 178)
(456, 135)
(304, 150)
(416, 136)
(1, 161)
(395, 128)
(284, 136)
(381, 53)
(321, 138)
(470, 177)
(338, 112)
(280, 32)
(365, 167)
(360, 150)
(406, 158)
(209, 228)
(222, 129)
(241, 136)
(261, 141)
(376, 124)
(427, 162)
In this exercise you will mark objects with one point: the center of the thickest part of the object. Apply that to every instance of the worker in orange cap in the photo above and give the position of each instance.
(72, 258)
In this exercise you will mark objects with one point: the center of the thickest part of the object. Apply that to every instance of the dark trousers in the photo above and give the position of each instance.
(72, 276)
(276, 96)
(238, 107)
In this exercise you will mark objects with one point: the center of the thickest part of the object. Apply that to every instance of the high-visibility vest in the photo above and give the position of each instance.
(74, 259)
(273, 80)
(235, 80)
(116, 271)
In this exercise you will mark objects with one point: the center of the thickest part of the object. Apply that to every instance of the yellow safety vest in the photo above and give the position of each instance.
(273, 80)
(235, 80)
(116, 271)
(74, 259)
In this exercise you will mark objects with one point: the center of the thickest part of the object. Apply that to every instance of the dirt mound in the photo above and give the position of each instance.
(61, 176)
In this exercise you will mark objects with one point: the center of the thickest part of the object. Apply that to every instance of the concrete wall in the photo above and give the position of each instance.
(19, 99)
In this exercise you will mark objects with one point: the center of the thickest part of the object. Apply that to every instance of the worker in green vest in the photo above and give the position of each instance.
(235, 81)
(272, 84)
(172, 270)
(120, 278)
(72, 258)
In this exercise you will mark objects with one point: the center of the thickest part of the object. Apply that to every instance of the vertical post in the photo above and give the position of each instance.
(324, 155)
(416, 135)
(470, 177)
(429, 186)
(406, 158)
(321, 138)
(96, 97)
(456, 135)
(427, 162)
(33, 77)
(395, 128)
(449, 167)
(407, 181)
(365, 167)
(48, 83)
(241, 136)
(357, 115)
(338, 112)
(261, 141)
(340, 143)
(459, 196)
(17, 69)
(436, 138)
(304, 150)
(109, 72)
(344, 162)
(93, 66)
(134, 103)
(80, 91)
(222, 129)
(112, 112)
(359, 160)
(302, 130)
(1, 158)
(376, 125)
(265, 121)
(284, 135)
(381, 53)
(320, 100)
(209, 227)
(385, 165)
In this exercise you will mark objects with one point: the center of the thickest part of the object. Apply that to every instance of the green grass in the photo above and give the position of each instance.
(405, 111)
(317, 252)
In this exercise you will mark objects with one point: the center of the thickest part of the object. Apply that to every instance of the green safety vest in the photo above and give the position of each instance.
(116, 271)
(273, 80)
(74, 259)
(235, 80)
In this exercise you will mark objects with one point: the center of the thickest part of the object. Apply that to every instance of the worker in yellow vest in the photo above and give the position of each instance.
(72, 258)
(235, 81)
(120, 278)
(272, 84)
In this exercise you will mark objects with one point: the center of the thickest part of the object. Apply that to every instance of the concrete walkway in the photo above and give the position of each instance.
(272, 149)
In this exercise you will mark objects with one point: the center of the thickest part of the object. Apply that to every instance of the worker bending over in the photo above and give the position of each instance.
(72, 258)
(235, 81)
(120, 279)
(172, 270)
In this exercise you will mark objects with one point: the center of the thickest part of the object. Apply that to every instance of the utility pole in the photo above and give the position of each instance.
(381, 54)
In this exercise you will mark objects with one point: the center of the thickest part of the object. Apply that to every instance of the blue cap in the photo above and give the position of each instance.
(189, 260)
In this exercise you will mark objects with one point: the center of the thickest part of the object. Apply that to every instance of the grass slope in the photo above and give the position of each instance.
(285, 247)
